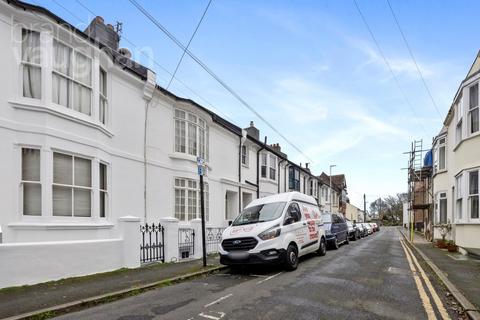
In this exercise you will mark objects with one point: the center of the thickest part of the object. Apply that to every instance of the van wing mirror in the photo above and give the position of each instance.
(230, 223)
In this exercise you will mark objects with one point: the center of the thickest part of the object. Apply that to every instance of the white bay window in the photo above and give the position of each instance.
(103, 101)
(71, 78)
(31, 64)
(72, 185)
(31, 185)
(473, 113)
(191, 134)
(459, 197)
(473, 195)
(187, 199)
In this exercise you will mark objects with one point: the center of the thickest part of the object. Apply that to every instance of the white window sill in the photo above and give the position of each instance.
(267, 180)
(467, 223)
(184, 156)
(245, 165)
(59, 226)
(60, 111)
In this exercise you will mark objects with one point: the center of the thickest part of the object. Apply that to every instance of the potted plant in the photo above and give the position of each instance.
(441, 243)
(444, 230)
(451, 246)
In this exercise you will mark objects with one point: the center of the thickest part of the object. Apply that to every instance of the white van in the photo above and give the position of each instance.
(274, 229)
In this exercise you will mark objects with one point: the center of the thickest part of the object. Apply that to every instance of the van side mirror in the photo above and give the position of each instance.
(230, 223)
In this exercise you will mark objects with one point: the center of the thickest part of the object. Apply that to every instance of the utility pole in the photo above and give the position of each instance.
(201, 168)
(364, 208)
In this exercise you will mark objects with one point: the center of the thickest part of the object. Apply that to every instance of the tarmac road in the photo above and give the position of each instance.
(372, 278)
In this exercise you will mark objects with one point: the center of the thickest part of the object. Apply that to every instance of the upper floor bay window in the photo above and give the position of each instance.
(268, 166)
(103, 101)
(72, 186)
(459, 197)
(293, 178)
(31, 185)
(473, 113)
(31, 64)
(191, 134)
(244, 155)
(187, 199)
(459, 118)
(473, 195)
(71, 78)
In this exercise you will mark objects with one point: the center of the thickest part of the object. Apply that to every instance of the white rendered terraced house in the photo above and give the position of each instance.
(92, 148)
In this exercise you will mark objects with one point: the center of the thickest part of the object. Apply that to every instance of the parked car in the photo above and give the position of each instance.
(360, 230)
(336, 230)
(353, 233)
(374, 226)
(274, 229)
(369, 228)
(363, 230)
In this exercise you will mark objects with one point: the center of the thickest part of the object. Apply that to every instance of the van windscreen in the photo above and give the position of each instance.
(260, 213)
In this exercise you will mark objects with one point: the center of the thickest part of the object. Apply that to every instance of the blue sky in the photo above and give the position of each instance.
(312, 69)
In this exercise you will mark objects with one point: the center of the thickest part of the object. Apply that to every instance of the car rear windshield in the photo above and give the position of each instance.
(260, 213)
(327, 218)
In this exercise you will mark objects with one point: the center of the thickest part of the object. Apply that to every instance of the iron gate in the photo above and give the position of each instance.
(186, 243)
(152, 247)
(213, 237)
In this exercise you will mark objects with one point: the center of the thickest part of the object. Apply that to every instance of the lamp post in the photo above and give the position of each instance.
(331, 166)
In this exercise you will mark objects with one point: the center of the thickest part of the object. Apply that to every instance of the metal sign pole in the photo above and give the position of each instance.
(200, 164)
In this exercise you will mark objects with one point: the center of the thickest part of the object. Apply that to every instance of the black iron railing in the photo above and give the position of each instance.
(152, 247)
(186, 243)
(213, 237)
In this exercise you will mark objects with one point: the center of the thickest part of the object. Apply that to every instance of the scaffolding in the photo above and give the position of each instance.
(419, 189)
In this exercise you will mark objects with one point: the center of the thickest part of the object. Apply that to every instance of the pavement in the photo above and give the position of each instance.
(377, 277)
(66, 292)
(462, 271)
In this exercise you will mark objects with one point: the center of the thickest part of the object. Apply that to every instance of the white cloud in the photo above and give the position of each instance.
(400, 66)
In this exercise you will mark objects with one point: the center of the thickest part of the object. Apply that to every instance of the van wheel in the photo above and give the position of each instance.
(291, 261)
(322, 249)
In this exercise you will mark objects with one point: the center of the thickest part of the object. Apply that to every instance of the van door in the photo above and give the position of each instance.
(309, 219)
(293, 224)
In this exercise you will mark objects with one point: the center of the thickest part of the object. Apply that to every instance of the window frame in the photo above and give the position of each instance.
(459, 195)
(471, 195)
(24, 63)
(200, 150)
(30, 182)
(245, 155)
(105, 191)
(103, 97)
(441, 196)
(73, 186)
(272, 166)
(186, 188)
(71, 81)
(472, 109)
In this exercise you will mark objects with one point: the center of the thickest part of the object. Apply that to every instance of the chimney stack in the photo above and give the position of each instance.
(105, 34)
(252, 131)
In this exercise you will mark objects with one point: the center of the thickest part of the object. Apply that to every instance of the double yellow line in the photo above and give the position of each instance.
(427, 305)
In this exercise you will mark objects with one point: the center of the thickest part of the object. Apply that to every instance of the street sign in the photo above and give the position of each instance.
(201, 166)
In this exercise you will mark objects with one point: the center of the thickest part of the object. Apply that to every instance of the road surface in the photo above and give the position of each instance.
(372, 278)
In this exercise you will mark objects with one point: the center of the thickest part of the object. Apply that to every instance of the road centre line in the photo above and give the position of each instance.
(421, 290)
(218, 300)
(434, 294)
(269, 278)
